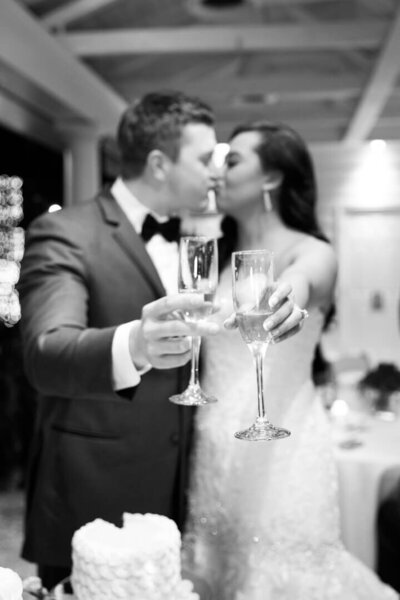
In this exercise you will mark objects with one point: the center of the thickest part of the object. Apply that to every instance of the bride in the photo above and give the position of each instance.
(263, 517)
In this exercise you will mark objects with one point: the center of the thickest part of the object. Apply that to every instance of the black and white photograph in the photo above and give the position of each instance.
(200, 299)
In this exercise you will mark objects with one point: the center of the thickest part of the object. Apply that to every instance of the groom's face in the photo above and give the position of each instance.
(191, 175)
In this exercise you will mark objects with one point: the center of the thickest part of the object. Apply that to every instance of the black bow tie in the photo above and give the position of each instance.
(169, 230)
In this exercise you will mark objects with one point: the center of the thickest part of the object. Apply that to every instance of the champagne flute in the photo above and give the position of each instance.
(252, 286)
(198, 274)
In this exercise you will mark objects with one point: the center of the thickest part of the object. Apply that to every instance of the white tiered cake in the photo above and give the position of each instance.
(140, 561)
(10, 585)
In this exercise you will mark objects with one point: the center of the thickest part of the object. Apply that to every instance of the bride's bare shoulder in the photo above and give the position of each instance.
(304, 245)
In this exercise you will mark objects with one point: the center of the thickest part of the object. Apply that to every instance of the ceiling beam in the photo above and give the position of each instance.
(289, 113)
(27, 48)
(305, 16)
(340, 35)
(322, 86)
(33, 97)
(62, 16)
(379, 87)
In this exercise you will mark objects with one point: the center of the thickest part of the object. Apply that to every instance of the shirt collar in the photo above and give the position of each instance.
(133, 209)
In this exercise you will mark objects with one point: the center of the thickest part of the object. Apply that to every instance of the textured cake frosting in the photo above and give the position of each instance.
(140, 561)
(10, 585)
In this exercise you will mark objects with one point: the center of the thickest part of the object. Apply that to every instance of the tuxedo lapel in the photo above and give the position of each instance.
(130, 242)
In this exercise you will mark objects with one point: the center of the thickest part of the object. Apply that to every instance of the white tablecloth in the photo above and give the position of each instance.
(360, 472)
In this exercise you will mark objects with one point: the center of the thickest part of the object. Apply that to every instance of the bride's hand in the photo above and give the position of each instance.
(287, 318)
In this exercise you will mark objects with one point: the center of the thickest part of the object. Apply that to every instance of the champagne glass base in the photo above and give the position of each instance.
(192, 396)
(262, 431)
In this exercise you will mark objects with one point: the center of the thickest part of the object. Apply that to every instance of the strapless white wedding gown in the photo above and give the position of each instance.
(263, 516)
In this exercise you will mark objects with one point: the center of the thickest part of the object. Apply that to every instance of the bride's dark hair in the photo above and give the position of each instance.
(282, 149)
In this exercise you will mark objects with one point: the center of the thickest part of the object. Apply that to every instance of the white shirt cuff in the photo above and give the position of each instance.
(125, 374)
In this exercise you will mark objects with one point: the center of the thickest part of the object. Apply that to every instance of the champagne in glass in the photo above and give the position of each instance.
(198, 274)
(252, 286)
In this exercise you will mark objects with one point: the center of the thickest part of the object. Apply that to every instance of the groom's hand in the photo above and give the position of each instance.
(287, 318)
(163, 339)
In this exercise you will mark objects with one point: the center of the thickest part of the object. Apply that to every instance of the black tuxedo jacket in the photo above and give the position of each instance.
(95, 453)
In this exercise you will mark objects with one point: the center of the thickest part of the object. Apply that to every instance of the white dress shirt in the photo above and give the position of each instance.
(164, 255)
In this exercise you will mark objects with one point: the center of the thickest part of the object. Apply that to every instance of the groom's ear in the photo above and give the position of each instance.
(158, 165)
(272, 180)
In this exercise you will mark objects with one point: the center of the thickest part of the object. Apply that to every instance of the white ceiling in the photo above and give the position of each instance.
(330, 68)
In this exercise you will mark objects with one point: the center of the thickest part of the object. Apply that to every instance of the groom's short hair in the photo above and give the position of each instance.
(155, 122)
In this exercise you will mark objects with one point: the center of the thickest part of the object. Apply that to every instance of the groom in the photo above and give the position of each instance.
(101, 345)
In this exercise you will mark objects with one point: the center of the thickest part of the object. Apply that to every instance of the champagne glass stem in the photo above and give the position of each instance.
(194, 369)
(258, 351)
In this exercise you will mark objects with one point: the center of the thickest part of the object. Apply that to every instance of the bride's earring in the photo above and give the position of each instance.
(267, 199)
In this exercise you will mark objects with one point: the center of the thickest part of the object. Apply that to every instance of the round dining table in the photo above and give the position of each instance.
(367, 452)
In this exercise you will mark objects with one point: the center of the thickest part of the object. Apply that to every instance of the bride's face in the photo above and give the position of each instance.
(243, 176)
